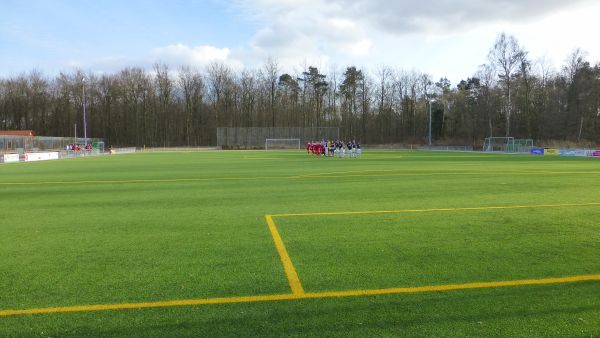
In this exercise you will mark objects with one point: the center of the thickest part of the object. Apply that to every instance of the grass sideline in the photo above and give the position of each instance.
(152, 227)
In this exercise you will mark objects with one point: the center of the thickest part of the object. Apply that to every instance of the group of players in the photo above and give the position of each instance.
(334, 148)
(77, 147)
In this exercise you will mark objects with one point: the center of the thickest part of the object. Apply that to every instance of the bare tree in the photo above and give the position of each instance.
(218, 77)
(384, 104)
(248, 86)
(579, 94)
(575, 62)
(487, 76)
(526, 81)
(270, 77)
(505, 56)
(164, 91)
(192, 87)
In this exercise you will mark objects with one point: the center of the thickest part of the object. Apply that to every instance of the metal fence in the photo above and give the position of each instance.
(254, 137)
(22, 144)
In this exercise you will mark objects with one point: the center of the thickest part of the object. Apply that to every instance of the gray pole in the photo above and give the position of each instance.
(429, 122)
(84, 115)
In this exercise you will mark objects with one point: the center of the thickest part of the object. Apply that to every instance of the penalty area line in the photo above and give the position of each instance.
(402, 211)
(296, 296)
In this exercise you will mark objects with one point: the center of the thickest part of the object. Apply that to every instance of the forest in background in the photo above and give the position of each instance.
(510, 95)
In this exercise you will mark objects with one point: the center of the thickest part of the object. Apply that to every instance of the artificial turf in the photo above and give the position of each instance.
(166, 226)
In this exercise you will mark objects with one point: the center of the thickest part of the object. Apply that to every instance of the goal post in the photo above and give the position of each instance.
(282, 143)
(520, 146)
(507, 145)
(497, 144)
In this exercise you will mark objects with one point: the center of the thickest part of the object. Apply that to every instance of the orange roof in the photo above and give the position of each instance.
(17, 133)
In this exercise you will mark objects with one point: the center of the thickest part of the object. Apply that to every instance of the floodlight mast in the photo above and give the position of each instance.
(84, 114)
(429, 101)
(429, 122)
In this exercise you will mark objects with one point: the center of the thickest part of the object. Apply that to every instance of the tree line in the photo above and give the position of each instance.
(510, 95)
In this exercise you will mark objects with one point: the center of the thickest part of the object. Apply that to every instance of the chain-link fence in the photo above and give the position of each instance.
(23, 144)
(254, 137)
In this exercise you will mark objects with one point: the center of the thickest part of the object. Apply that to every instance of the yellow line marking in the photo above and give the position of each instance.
(344, 173)
(288, 266)
(170, 303)
(261, 158)
(375, 173)
(291, 296)
(366, 212)
(474, 173)
(173, 180)
(449, 287)
(415, 172)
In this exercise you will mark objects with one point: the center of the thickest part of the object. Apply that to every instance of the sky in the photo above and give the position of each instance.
(444, 38)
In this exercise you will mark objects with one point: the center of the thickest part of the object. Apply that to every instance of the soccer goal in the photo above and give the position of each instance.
(507, 145)
(500, 144)
(282, 143)
(520, 146)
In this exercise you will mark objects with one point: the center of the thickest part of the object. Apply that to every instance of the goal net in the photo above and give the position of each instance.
(520, 146)
(507, 145)
(282, 143)
(500, 144)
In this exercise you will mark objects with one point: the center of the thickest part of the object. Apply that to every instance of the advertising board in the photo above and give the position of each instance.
(551, 152)
(31, 157)
(11, 158)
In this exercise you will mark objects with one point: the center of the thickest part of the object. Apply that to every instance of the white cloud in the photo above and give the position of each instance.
(198, 56)
(445, 38)
(359, 48)
(310, 32)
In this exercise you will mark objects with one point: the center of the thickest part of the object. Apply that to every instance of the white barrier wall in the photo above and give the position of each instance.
(31, 157)
(11, 158)
(122, 150)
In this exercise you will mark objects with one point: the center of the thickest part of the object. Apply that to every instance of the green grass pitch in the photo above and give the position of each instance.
(154, 227)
